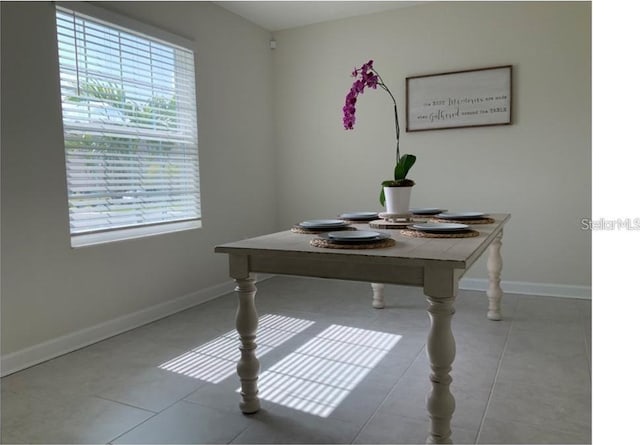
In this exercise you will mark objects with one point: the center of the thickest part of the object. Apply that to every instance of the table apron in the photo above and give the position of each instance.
(378, 272)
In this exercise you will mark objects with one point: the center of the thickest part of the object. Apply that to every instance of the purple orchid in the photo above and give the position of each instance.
(366, 77)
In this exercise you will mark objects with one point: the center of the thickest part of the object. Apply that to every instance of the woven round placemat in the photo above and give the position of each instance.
(419, 234)
(302, 230)
(486, 220)
(317, 242)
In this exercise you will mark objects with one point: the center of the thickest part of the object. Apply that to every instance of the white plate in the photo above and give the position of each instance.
(322, 223)
(354, 235)
(462, 215)
(440, 227)
(360, 216)
(427, 211)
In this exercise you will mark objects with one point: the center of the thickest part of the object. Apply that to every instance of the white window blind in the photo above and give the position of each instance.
(129, 118)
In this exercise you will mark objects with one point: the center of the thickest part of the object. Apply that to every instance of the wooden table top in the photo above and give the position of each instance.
(458, 253)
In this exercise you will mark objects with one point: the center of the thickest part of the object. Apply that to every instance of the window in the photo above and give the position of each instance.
(130, 131)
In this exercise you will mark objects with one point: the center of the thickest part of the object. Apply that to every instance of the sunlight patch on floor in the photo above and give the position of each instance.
(216, 360)
(320, 374)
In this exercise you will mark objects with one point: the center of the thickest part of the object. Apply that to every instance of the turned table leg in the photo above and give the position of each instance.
(247, 326)
(378, 295)
(494, 267)
(441, 351)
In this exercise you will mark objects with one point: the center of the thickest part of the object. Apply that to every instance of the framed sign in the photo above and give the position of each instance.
(470, 98)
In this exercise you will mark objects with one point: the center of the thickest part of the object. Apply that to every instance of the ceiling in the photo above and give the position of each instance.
(279, 15)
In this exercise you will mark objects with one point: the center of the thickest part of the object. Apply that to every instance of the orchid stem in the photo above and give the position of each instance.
(395, 113)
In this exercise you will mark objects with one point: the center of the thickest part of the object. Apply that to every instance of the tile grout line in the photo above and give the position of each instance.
(184, 399)
(239, 434)
(495, 379)
(97, 396)
(395, 385)
(133, 427)
(151, 417)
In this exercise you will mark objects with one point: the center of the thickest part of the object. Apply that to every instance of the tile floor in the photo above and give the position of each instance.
(526, 379)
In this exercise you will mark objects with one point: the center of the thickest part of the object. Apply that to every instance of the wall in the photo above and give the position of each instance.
(537, 169)
(52, 293)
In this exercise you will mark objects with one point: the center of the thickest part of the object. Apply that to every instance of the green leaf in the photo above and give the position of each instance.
(381, 198)
(404, 165)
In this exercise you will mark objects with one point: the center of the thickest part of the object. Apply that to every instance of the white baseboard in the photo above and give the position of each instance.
(47, 350)
(524, 288)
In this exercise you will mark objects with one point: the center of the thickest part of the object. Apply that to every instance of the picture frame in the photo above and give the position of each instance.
(458, 99)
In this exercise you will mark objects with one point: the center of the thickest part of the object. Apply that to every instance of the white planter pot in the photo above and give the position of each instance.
(397, 199)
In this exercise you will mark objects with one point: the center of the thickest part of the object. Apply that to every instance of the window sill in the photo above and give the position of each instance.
(92, 239)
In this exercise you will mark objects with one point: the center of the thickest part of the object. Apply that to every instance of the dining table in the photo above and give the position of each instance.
(436, 264)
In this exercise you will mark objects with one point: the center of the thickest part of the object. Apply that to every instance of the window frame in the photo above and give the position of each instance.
(152, 33)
